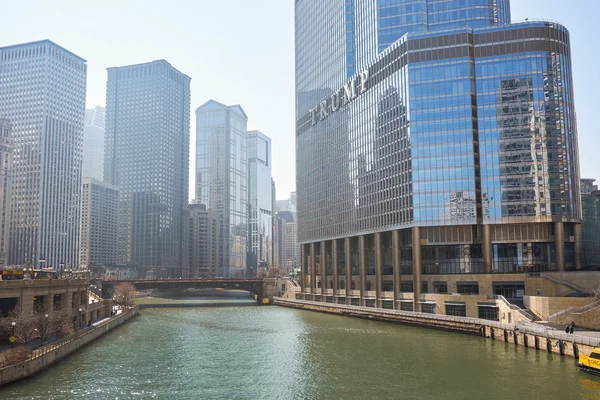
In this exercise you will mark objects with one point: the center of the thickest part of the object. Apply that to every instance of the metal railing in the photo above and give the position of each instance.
(559, 281)
(574, 310)
(513, 307)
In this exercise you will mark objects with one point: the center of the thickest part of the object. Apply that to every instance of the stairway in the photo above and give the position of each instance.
(562, 282)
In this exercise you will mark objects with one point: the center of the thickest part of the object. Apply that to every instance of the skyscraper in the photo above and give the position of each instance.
(434, 138)
(93, 142)
(205, 241)
(42, 93)
(99, 209)
(221, 177)
(146, 157)
(6, 173)
(260, 202)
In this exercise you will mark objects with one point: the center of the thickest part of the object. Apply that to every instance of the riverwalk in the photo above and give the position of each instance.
(45, 356)
(527, 334)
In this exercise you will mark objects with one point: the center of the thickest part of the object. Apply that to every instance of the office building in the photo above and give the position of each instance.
(99, 211)
(290, 240)
(204, 242)
(6, 173)
(93, 142)
(434, 139)
(147, 157)
(42, 93)
(222, 180)
(590, 235)
(260, 202)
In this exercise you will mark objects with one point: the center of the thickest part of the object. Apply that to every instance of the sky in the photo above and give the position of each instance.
(242, 52)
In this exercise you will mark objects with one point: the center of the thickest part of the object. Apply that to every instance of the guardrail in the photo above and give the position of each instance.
(572, 310)
(559, 281)
(513, 307)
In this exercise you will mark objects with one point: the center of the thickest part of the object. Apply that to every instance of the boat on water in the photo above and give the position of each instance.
(590, 363)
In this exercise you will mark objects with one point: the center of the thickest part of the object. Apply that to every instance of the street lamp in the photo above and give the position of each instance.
(44, 326)
(79, 317)
(13, 324)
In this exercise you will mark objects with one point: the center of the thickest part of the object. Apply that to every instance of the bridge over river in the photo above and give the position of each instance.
(260, 288)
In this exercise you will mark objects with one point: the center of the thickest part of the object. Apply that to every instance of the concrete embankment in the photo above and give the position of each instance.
(527, 334)
(47, 355)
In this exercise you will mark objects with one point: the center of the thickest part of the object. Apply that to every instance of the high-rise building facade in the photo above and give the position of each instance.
(222, 178)
(590, 235)
(433, 138)
(42, 93)
(260, 202)
(93, 142)
(146, 157)
(204, 242)
(290, 240)
(99, 211)
(6, 173)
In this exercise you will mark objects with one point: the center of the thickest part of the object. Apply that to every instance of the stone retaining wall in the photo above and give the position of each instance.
(51, 353)
(526, 334)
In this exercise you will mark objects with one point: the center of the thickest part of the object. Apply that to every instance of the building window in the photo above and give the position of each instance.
(369, 286)
(406, 306)
(388, 304)
(440, 287)
(467, 287)
(388, 286)
(370, 302)
(424, 287)
(488, 312)
(342, 284)
(428, 308)
(406, 286)
(457, 310)
(355, 301)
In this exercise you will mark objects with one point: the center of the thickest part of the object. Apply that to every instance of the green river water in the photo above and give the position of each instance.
(253, 352)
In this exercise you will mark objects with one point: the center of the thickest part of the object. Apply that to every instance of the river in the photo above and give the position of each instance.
(254, 352)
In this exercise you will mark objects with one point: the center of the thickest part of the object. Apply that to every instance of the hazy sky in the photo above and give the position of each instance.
(242, 52)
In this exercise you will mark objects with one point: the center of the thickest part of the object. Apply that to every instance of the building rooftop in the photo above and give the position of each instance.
(27, 44)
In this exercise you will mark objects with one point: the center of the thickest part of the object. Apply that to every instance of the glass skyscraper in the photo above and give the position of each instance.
(147, 158)
(222, 178)
(42, 93)
(260, 203)
(434, 138)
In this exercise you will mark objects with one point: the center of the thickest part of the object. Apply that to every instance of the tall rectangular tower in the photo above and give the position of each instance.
(221, 177)
(147, 157)
(99, 209)
(260, 202)
(42, 93)
(93, 142)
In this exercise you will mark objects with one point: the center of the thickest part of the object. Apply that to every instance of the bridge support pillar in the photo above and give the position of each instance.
(362, 265)
(397, 270)
(378, 272)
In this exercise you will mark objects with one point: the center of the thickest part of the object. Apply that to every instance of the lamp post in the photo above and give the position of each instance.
(44, 326)
(79, 317)
(13, 324)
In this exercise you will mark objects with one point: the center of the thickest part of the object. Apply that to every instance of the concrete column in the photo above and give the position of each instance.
(559, 237)
(313, 271)
(416, 258)
(488, 265)
(362, 266)
(323, 258)
(303, 265)
(348, 261)
(378, 271)
(577, 245)
(397, 270)
(334, 262)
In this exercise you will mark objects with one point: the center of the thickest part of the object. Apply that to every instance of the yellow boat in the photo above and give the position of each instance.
(590, 363)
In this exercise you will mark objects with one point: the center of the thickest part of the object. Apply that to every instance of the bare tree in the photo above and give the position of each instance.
(25, 328)
(61, 323)
(124, 294)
